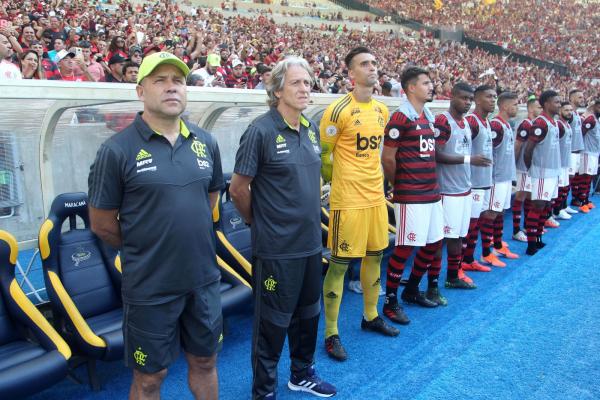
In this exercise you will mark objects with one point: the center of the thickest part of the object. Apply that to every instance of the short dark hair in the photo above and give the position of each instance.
(461, 87)
(129, 64)
(564, 103)
(484, 88)
(547, 95)
(410, 75)
(572, 92)
(506, 96)
(354, 52)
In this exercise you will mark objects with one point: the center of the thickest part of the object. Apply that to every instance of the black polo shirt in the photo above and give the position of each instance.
(161, 192)
(286, 189)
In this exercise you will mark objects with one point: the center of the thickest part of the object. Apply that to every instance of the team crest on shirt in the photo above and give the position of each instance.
(344, 246)
(394, 133)
(412, 237)
(198, 148)
(447, 230)
(476, 197)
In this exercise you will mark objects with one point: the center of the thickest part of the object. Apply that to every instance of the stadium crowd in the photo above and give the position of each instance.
(81, 42)
(558, 31)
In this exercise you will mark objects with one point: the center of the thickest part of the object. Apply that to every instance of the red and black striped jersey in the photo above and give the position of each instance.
(415, 179)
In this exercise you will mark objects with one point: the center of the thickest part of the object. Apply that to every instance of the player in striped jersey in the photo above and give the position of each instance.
(523, 192)
(409, 163)
(577, 100)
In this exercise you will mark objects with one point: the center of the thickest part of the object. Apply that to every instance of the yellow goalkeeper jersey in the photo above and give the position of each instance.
(355, 130)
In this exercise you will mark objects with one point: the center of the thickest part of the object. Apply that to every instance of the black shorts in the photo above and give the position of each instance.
(154, 334)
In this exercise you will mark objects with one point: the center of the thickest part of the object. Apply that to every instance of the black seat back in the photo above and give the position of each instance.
(78, 257)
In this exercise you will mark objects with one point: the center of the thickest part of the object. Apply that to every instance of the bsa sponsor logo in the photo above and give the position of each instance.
(367, 142)
(355, 111)
(426, 146)
(202, 164)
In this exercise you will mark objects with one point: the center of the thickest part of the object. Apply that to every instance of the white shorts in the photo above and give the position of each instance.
(477, 205)
(544, 189)
(419, 224)
(523, 182)
(457, 214)
(574, 164)
(498, 198)
(563, 178)
(589, 163)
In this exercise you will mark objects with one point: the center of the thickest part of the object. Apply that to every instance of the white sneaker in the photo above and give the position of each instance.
(355, 286)
(552, 223)
(571, 211)
(520, 236)
(563, 215)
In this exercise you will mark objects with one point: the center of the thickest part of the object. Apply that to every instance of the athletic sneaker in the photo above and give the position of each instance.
(311, 383)
(417, 298)
(396, 313)
(504, 244)
(434, 295)
(380, 326)
(520, 236)
(551, 223)
(458, 283)
(463, 276)
(474, 266)
(356, 287)
(563, 214)
(492, 260)
(584, 209)
(571, 210)
(334, 348)
(590, 205)
(505, 252)
(270, 396)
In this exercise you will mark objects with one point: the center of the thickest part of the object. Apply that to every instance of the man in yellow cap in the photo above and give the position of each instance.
(213, 74)
(151, 191)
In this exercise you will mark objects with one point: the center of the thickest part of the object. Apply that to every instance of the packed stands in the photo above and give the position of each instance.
(195, 33)
(555, 30)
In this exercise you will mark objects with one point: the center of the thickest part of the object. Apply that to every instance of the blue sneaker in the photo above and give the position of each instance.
(311, 383)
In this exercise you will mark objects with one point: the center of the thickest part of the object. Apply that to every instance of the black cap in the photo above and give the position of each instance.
(116, 58)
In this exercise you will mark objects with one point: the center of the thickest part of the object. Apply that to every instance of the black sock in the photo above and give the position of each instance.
(390, 299)
(485, 251)
(452, 274)
(432, 281)
(412, 286)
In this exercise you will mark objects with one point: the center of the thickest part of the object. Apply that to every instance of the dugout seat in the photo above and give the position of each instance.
(83, 283)
(33, 356)
(234, 241)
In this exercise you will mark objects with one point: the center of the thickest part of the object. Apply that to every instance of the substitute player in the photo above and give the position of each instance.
(542, 157)
(588, 166)
(565, 143)
(504, 172)
(453, 159)
(481, 176)
(523, 192)
(577, 100)
(351, 134)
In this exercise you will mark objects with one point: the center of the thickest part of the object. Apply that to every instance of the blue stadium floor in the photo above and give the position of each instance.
(530, 331)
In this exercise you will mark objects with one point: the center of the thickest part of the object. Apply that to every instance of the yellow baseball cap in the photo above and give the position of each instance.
(149, 64)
